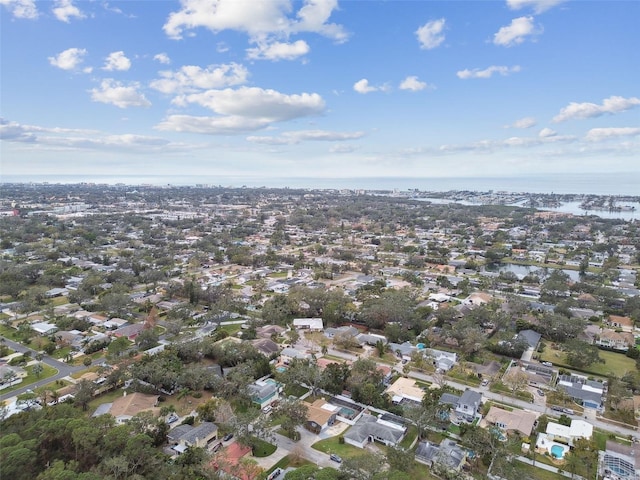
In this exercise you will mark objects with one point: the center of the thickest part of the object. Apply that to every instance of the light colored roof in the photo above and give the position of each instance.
(313, 323)
(317, 414)
(516, 420)
(133, 403)
(406, 388)
(580, 429)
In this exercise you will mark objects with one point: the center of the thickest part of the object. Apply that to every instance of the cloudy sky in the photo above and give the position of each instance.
(319, 88)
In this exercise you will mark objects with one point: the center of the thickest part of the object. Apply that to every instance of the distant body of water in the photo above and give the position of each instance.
(578, 183)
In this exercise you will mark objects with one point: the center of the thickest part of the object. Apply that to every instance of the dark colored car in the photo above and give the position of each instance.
(227, 437)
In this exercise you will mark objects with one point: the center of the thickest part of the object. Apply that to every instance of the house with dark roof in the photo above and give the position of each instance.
(190, 436)
(620, 461)
(448, 454)
(266, 346)
(531, 337)
(588, 393)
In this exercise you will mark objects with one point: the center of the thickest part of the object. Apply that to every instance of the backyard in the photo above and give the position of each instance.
(615, 364)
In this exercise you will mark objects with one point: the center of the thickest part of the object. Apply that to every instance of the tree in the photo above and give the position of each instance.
(516, 379)
(580, 354)
(400, 459)
(37, 369)
(293, 413)
(84, 394)
(147, 338)
(362, 467)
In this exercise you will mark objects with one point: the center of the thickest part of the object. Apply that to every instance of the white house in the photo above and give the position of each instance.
(313, 324)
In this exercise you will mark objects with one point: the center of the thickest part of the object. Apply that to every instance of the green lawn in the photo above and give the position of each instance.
(333, 445)
(47, 372)
(411, 435)
(230, 329)
(295, 390)
(615, 364)
(263, 449)
(529, 471)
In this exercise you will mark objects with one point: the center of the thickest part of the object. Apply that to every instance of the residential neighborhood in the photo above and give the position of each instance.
(330, 334)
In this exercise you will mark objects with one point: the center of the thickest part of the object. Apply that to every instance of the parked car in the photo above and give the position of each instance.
(217, 447)
(485, 382)
(335, 458)
(267, 409)
(172, 418)
(274, 474)
(227, 437)
(540, 392)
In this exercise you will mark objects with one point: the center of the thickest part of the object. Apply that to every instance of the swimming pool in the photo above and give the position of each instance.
(420, 346)
(557, 451)
(347, 412)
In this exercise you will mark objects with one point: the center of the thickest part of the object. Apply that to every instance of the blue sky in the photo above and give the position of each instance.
(319, 88)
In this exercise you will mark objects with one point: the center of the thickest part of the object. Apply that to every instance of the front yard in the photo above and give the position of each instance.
(615, 364)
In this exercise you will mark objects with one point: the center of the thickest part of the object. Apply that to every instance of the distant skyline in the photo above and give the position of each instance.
(319, 88)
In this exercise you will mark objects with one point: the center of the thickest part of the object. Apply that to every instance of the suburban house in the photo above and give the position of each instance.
(320, 415)
(312, 324)
(10, 375)
(267, 331)
(511, 421)
(442, 360)
(530, 337)
(405, 390)
(623, 323)
(478, 298)
(448, 454)
(402, 350)
(289, 353)
(184, 436)
(468, 404)
(44, 328)
(129, 331)
(538, 375)
(332, 332)
(370, 339)
(620, 462)
(125, 407)
(369, 429)
(266, 346)
(587, 393)
(568, 435)
(264, 391)
(616, 340)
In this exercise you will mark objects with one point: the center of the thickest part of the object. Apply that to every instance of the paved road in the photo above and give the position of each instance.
(534, 407)
(64, 369)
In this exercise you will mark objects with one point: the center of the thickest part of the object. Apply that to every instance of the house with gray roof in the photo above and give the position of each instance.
(468, 404)
(588, 393)
(531, 337)
(369, 429)
(264, 391)
(448, 454)
(190, 436)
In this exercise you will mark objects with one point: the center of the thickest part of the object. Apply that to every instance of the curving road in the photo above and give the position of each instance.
(64, 369)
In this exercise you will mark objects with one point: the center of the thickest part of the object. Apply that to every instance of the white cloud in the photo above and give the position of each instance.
(259, 21)
(547, 132)
(291, 138)
(611, 105)
(21, 8)
(162, 58)
(526, 122)
(78, 138)
(65, 10)
(430, 34)
(242, 110)
(279, 51)
(118, 94)
(538, 6)
(487, 72)
(342, 148)
(516, 32)
(69, 59)
(117, 61)
(191, 78)
(600, 134)
(362, 86)
(412, 83)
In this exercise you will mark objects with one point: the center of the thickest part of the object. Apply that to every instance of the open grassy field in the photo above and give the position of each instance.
(31, 377)
(615, 364)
